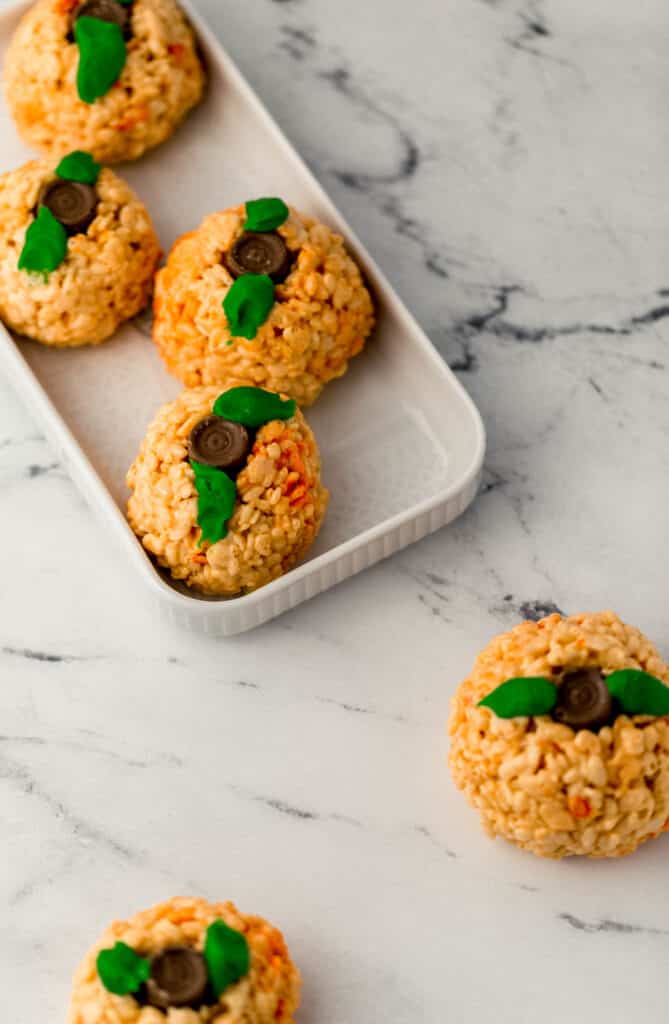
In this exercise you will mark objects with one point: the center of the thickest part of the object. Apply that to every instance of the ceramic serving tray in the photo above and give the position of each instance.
(402, 443)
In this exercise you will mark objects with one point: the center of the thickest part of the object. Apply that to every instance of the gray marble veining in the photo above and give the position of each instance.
(505, 161)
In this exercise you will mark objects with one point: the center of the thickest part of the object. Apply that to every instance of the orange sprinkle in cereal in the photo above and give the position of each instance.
(579, 807)
(137, 117)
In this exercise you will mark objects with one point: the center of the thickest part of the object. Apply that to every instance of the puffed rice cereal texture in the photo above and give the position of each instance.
(268, 994)
(321, 318)
(542, 785)
(280, 500)
(106, 277)
(161, 81)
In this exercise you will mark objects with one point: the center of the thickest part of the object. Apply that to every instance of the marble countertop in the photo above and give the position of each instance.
(506, 161)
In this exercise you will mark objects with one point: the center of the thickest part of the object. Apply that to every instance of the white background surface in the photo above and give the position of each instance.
(506, 161)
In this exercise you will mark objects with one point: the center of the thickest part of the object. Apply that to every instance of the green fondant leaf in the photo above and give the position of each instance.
(253, 406)
(520, 697)
(102, 55)
(639, 693)
(45, 245)
(126, 3)
(248, 304)
(265, 214)
(216, 496)
(227, 954)
(79, 166)
(121, 970)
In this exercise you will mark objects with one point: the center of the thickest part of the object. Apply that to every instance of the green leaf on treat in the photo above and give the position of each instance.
(216, 496)
(126, 3)
(639, 693)
(248, 304)
(265, 214)
(102, 56)
(45, 245)
(121, 970)
(253, 406)
(520, 697)
(227, 954)
(79, 166)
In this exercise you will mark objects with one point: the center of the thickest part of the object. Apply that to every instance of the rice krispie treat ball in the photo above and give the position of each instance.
(265, 294)
(78, 251)
(560, 737)
(114, 77)
(226, 488)
(187, 961)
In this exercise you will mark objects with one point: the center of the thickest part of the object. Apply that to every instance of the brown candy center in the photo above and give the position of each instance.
(72, 203)
(105, 10)
(259, 252)
(584, 700)
(178, 978)
(218, 442)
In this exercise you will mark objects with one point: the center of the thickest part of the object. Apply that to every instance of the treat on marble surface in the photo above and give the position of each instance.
(78, 251)
(114, 77)
(560, 737)
(265, 294)
(226, 488)
(187, 961)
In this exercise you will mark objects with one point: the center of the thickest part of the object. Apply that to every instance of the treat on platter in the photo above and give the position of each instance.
(187, 961)
(560, 737)
(264, 294)
(226, 489)
(78, 251)
(113, 77)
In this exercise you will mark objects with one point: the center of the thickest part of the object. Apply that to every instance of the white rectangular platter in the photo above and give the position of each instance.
(401, 441)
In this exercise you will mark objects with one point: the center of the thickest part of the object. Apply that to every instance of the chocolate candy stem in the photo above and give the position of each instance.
(259, 253)
(104, 10)
(178, 978)
(218, 442)
(584, 700)
(72, 203)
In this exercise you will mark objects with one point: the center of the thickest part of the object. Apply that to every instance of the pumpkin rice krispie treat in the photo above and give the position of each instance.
(78, 251)
(114, 77)
(226, 488)
(560, 737)
(264, 294)
(187, 961)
